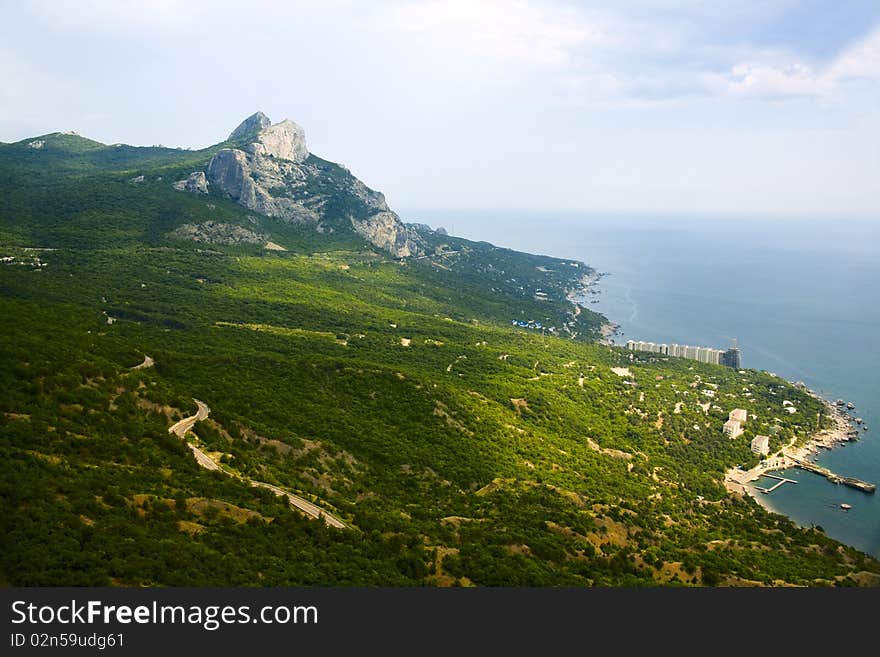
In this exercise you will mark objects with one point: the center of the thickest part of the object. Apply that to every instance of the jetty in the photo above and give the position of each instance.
(780, 481)
(852, 482)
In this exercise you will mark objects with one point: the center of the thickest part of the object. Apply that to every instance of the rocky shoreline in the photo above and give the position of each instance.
(836, 436)
(608, 330)
(578, 295)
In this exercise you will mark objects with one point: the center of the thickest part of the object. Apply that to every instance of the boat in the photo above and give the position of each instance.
(845, 506)
(840, 402)
(850, 405)
(858, 420)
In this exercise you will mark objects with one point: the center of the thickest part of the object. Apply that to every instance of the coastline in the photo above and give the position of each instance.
(739, 482)
(583, 286)
(578, 298)
(631, 254)
(607, 330)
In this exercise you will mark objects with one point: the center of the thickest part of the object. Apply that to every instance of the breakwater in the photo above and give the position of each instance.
(852, 482)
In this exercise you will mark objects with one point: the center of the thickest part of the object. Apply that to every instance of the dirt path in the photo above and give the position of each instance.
(148, 362)
(181, 428)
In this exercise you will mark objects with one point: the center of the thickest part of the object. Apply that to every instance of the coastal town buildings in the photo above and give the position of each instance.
(701, 354)
(735, 419)
(730, 357)
(761, 445)
(732, 429)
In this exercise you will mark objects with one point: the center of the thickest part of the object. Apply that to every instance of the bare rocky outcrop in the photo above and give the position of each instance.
(213, 232)
(250, 127)
(385, 230)
(228, 169)
(262, 184)
(196, 183)
(269, 170)
(285, 140)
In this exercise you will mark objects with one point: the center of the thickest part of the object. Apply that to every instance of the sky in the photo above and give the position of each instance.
(767, 108)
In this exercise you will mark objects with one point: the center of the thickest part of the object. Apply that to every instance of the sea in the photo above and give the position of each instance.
(799, 295)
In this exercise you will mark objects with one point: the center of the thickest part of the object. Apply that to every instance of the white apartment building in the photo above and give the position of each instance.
(761, 445)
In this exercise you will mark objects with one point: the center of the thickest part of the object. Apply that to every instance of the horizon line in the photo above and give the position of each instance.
(648, 214)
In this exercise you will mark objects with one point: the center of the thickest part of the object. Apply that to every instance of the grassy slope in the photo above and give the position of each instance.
(468, 456)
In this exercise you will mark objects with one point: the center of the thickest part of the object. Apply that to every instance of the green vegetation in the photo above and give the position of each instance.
(460, 449)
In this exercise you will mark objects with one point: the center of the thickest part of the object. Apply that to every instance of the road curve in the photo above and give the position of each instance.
(203, 459)
(180, 429)
(303, 505)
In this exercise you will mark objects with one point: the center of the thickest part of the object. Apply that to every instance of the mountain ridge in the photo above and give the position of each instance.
(264, 167)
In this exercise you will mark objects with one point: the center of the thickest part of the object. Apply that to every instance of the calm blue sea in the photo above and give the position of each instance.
(800, 296)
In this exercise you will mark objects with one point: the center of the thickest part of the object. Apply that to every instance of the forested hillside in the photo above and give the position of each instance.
(452, 408)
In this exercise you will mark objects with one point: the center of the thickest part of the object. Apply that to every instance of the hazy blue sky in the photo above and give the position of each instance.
(763, 107)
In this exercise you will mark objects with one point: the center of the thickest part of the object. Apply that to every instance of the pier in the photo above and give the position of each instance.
(852, 482)
(780, 481)
(737, 480)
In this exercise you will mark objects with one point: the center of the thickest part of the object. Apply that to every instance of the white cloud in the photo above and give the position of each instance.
(173, 18)
(117, 16)
(860, 61)
(793, 78)
(615, 52)
(526, 33)
(771, 82)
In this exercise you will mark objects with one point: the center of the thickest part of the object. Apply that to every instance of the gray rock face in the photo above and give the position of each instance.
(213, 232)
(229, 170)
(250, 127)
(425, 228)
(385, 230)
(285, 140)
(195, 183)
(259, 183)
(271, 172)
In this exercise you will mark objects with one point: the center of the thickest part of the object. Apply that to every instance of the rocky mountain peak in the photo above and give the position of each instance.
(250, 127)
(259, 136)
(285, 140)
(268, 170)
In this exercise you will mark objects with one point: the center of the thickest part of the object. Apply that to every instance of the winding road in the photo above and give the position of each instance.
(187, 423)
(303, 505)
(181, 428)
